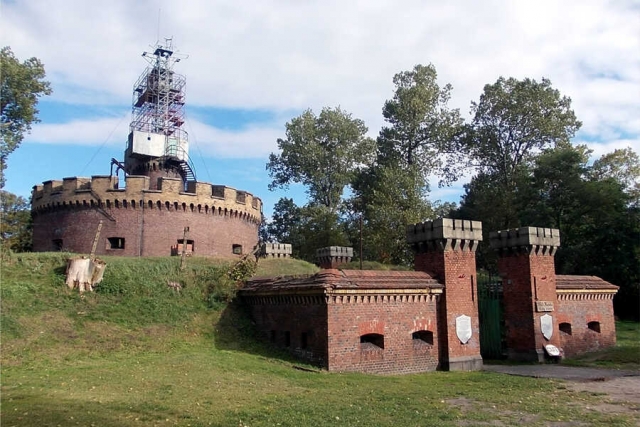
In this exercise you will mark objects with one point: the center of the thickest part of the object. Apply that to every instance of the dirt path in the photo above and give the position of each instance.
(621, 387)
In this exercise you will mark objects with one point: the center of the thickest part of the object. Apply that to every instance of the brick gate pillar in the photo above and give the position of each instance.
(526, 264)
(446, 249)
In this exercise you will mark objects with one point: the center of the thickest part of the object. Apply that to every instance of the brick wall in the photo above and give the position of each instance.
(146, 232)
(578, 310)
(303, 319)
(150, 221)
(527, 278)
(393, 317)
(457, 270)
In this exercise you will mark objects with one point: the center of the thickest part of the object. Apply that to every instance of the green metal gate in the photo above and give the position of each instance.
(491, 313)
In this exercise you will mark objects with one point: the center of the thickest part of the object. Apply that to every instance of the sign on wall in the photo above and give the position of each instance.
(542, 306)
(463, 328)
(546, 325)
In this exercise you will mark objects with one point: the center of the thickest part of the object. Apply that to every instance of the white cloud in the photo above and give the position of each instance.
(99, 131)
(604, 148)
(286, 56)
(251, 142)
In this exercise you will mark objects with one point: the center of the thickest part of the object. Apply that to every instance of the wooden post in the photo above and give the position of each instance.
(92, 256)
(184, 248)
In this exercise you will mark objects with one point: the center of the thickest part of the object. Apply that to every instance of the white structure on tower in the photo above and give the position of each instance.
(157, 140)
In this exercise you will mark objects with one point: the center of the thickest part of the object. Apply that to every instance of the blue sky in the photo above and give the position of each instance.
(253, 66)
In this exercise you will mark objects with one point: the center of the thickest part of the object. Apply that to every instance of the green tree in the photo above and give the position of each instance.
(321, 152)
(15, 222)
(421, 129)
(623, 165)
(599, 227)
(417, 141)
(286, 217)
(22, 85)
(514, 120)
(306, 228)
(388, 197)
(319, 227)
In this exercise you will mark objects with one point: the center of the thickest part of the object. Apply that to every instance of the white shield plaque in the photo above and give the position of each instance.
(546, 325)
(552, 350)
(463, 328)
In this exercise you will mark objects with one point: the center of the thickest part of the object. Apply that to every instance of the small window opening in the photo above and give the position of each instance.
(594, 326)
(371, 341)
(115, 243)
(287, 338)
(188, 248)
(237, 249)
(422, 337)
(272, 338)
(304, 340)
(565, 328)
(57, 245)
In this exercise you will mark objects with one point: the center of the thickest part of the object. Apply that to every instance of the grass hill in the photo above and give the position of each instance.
(135, 353)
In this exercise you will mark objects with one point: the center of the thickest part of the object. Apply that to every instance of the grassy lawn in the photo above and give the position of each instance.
(140, 355)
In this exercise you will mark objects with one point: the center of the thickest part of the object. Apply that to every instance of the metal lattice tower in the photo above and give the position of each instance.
(158, 111)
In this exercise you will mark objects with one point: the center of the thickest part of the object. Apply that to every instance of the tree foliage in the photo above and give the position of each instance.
(514, 119)
(421, 129)
(622, 165)
(286, 216)
(599, 227)
(417, 141)
(321, 152)
(389, 197)
(22, 85)
(306, 228)
(15, 222)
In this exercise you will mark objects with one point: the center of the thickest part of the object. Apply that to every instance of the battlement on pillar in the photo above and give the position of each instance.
(104, 192)
(333, 256)
(532, 240)
(276, 250)
(445, 234)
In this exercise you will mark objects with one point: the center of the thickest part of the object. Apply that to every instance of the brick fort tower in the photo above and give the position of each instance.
(162, 209)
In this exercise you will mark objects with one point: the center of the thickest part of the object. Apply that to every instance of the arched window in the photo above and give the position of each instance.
(565, 328)
(422, 337)
(594, 326)
(372, 341)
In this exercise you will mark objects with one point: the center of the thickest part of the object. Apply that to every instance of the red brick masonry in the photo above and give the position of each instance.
(585, 313)
(367, 321)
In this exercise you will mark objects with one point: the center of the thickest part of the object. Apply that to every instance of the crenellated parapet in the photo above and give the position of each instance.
(528, 240)
(445, 234)
(333, 256)
(276, 250)
(104, 192)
